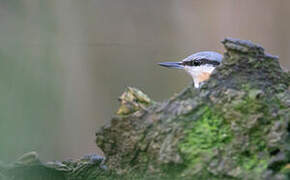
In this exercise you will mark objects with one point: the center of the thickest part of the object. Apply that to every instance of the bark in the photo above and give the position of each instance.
(236, 126)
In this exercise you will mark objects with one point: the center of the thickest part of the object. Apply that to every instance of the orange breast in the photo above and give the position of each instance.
(203, 77)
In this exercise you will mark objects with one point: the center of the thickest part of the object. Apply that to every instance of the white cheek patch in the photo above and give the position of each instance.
(199, 73)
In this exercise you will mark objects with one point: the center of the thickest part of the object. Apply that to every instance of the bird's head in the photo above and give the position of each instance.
(199, 65)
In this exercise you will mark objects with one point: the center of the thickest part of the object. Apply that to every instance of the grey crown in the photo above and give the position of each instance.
(209, 55)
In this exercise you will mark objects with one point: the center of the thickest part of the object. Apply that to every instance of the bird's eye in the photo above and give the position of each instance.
(196, 63)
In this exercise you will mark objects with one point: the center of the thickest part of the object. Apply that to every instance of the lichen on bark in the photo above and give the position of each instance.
(236, 126)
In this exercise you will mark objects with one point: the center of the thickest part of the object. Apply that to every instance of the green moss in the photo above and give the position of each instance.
(248, 106)
(240, 141)
(254, 124)
(252, 163)
(203, 136)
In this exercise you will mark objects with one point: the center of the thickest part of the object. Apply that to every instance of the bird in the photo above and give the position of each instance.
(199, 65)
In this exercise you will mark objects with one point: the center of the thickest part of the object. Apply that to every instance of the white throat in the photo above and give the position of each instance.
(199, 73)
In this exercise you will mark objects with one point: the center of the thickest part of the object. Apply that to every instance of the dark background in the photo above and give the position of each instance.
(63, 63)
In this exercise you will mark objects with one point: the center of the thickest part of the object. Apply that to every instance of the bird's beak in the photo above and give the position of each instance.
(175, 65)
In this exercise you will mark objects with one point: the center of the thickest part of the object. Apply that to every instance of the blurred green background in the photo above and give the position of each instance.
(63, 63)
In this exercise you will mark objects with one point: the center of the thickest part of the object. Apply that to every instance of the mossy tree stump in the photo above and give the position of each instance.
(236, 126)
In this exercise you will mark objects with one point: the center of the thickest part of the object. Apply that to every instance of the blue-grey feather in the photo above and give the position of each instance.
(209, 55)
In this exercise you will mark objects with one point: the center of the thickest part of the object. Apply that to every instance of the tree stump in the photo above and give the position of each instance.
(236, 126)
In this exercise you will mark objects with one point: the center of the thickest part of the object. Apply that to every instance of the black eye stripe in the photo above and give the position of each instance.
(196, 62)
(214, 63)
(186, 63)
(200, 62)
